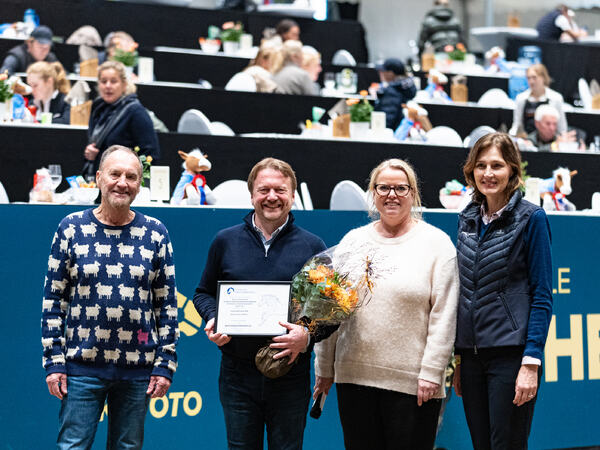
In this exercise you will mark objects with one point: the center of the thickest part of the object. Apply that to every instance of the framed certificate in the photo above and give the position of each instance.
(252, 308)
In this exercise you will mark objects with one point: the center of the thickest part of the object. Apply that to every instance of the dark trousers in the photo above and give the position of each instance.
(488, 389)
(251, 401)
(379, 419)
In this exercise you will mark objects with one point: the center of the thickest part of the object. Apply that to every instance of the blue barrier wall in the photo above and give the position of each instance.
(190, 416)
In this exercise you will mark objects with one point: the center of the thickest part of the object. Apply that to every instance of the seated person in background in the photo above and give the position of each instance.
(49, 87)
(291, 77)
(260, 67)
(117, 117)
(396, 88)
(110, 44)
(311, 62)
(538, 94)
(440, 27)
(288, 29)
(558, 24)
(35, 48)
(545, 136)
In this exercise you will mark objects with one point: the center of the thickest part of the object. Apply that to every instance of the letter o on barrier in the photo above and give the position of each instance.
(163, 411)
(186, 403)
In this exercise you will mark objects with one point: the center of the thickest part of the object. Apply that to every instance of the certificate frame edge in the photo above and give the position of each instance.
(221, 282)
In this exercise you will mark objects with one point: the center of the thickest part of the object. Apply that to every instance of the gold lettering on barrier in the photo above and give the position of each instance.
(562, 280)
(159, 414)
(593, 336)
(572, 347)
(186, 403)
(175, 397)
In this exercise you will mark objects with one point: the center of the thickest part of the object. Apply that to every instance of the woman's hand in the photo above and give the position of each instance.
(90, 152)
(526, 384)
(456, 381)
(322, 384)
(426, 391)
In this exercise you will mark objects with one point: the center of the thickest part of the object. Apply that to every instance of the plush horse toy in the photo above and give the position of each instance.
(415, 123)
(192, 188)
(553, 191)
(435, 86)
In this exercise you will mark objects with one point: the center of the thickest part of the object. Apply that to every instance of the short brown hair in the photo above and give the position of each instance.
(275, 164)
(541, 71)
(413, 182)
(511, 155)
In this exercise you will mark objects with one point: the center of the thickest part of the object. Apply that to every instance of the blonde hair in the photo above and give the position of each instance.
(310, 55)
(55, 71)
(413, 182)
(290, 50)
(118, 67)
(275, 164)
(271, 53)
(541, 71)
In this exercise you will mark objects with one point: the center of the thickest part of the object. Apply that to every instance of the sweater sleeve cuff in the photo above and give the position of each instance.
(162, 372)
(56, 368)
(323, 369)
(432, 374)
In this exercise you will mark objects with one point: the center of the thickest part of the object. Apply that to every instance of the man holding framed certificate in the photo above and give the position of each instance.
(244, 298)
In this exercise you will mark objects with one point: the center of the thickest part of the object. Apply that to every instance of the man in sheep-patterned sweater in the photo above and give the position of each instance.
(109, 319)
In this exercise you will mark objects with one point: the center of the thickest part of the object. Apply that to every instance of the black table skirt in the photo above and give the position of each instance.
(154, 25)
(321, 164)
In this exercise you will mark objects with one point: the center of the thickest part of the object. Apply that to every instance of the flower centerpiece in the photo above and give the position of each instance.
(360, 109)
(209, 45)
(230, 35)
(146, 163)
(6, 94)
(330, 287)
(457, 53)
(126, 54)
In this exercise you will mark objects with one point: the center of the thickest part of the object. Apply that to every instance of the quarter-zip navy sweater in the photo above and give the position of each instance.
(238, 254)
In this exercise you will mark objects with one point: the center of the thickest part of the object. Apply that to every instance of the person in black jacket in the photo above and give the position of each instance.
(35, 48)
(117, 117)
(440, 27)
(49, 85)
(397, 88)
(505, 301)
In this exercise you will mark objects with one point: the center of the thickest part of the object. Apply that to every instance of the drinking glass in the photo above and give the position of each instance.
(55, 175)
(329, 80)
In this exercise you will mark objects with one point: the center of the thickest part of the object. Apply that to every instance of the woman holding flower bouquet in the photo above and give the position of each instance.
(389, 358)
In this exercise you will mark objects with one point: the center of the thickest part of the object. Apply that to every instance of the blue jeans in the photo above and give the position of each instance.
(251, 401)
(82, 406)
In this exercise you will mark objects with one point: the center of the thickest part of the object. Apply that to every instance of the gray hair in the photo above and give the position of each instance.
(119, 148)
(545, 110)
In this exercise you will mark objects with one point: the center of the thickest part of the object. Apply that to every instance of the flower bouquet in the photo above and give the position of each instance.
(231, 32)
(6, 92)
(360, 109)
(330, 287)
(127, 55)
(146, 163)
(457, 53)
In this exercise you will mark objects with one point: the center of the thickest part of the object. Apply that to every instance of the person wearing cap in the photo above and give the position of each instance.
(396, 88)
(35, 48)
(558, 24)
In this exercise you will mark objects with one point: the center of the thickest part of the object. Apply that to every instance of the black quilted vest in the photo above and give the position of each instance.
(494, 288)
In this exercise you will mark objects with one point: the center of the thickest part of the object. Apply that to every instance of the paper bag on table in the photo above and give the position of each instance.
(458, 89)
(341, 126)
(89, 68)
(80, 114)
(595, 91)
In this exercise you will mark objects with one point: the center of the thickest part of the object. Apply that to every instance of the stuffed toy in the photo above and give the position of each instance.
(435, 86)
(192, 188)
(553, 191)
(415, 123)
(496, 60)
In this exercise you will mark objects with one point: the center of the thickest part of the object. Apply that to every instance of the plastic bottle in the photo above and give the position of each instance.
(31, 20)
(18, 107)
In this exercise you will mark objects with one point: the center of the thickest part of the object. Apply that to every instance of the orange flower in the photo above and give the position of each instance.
(352, 101)
(201, 40)
(315, 276)
(461, 47)
(228, 25)
(4, 76)
(149, 159)
(448, 48)
(364, 93)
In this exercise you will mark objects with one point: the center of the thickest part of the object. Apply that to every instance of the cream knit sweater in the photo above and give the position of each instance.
(406, 330)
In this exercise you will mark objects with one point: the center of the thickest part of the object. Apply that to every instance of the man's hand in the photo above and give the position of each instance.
(322, 384)
(426, 391)
(90, 152)
(158, 386)
(526, 384)
(292, 343)
(57, 384)
(217, 338)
